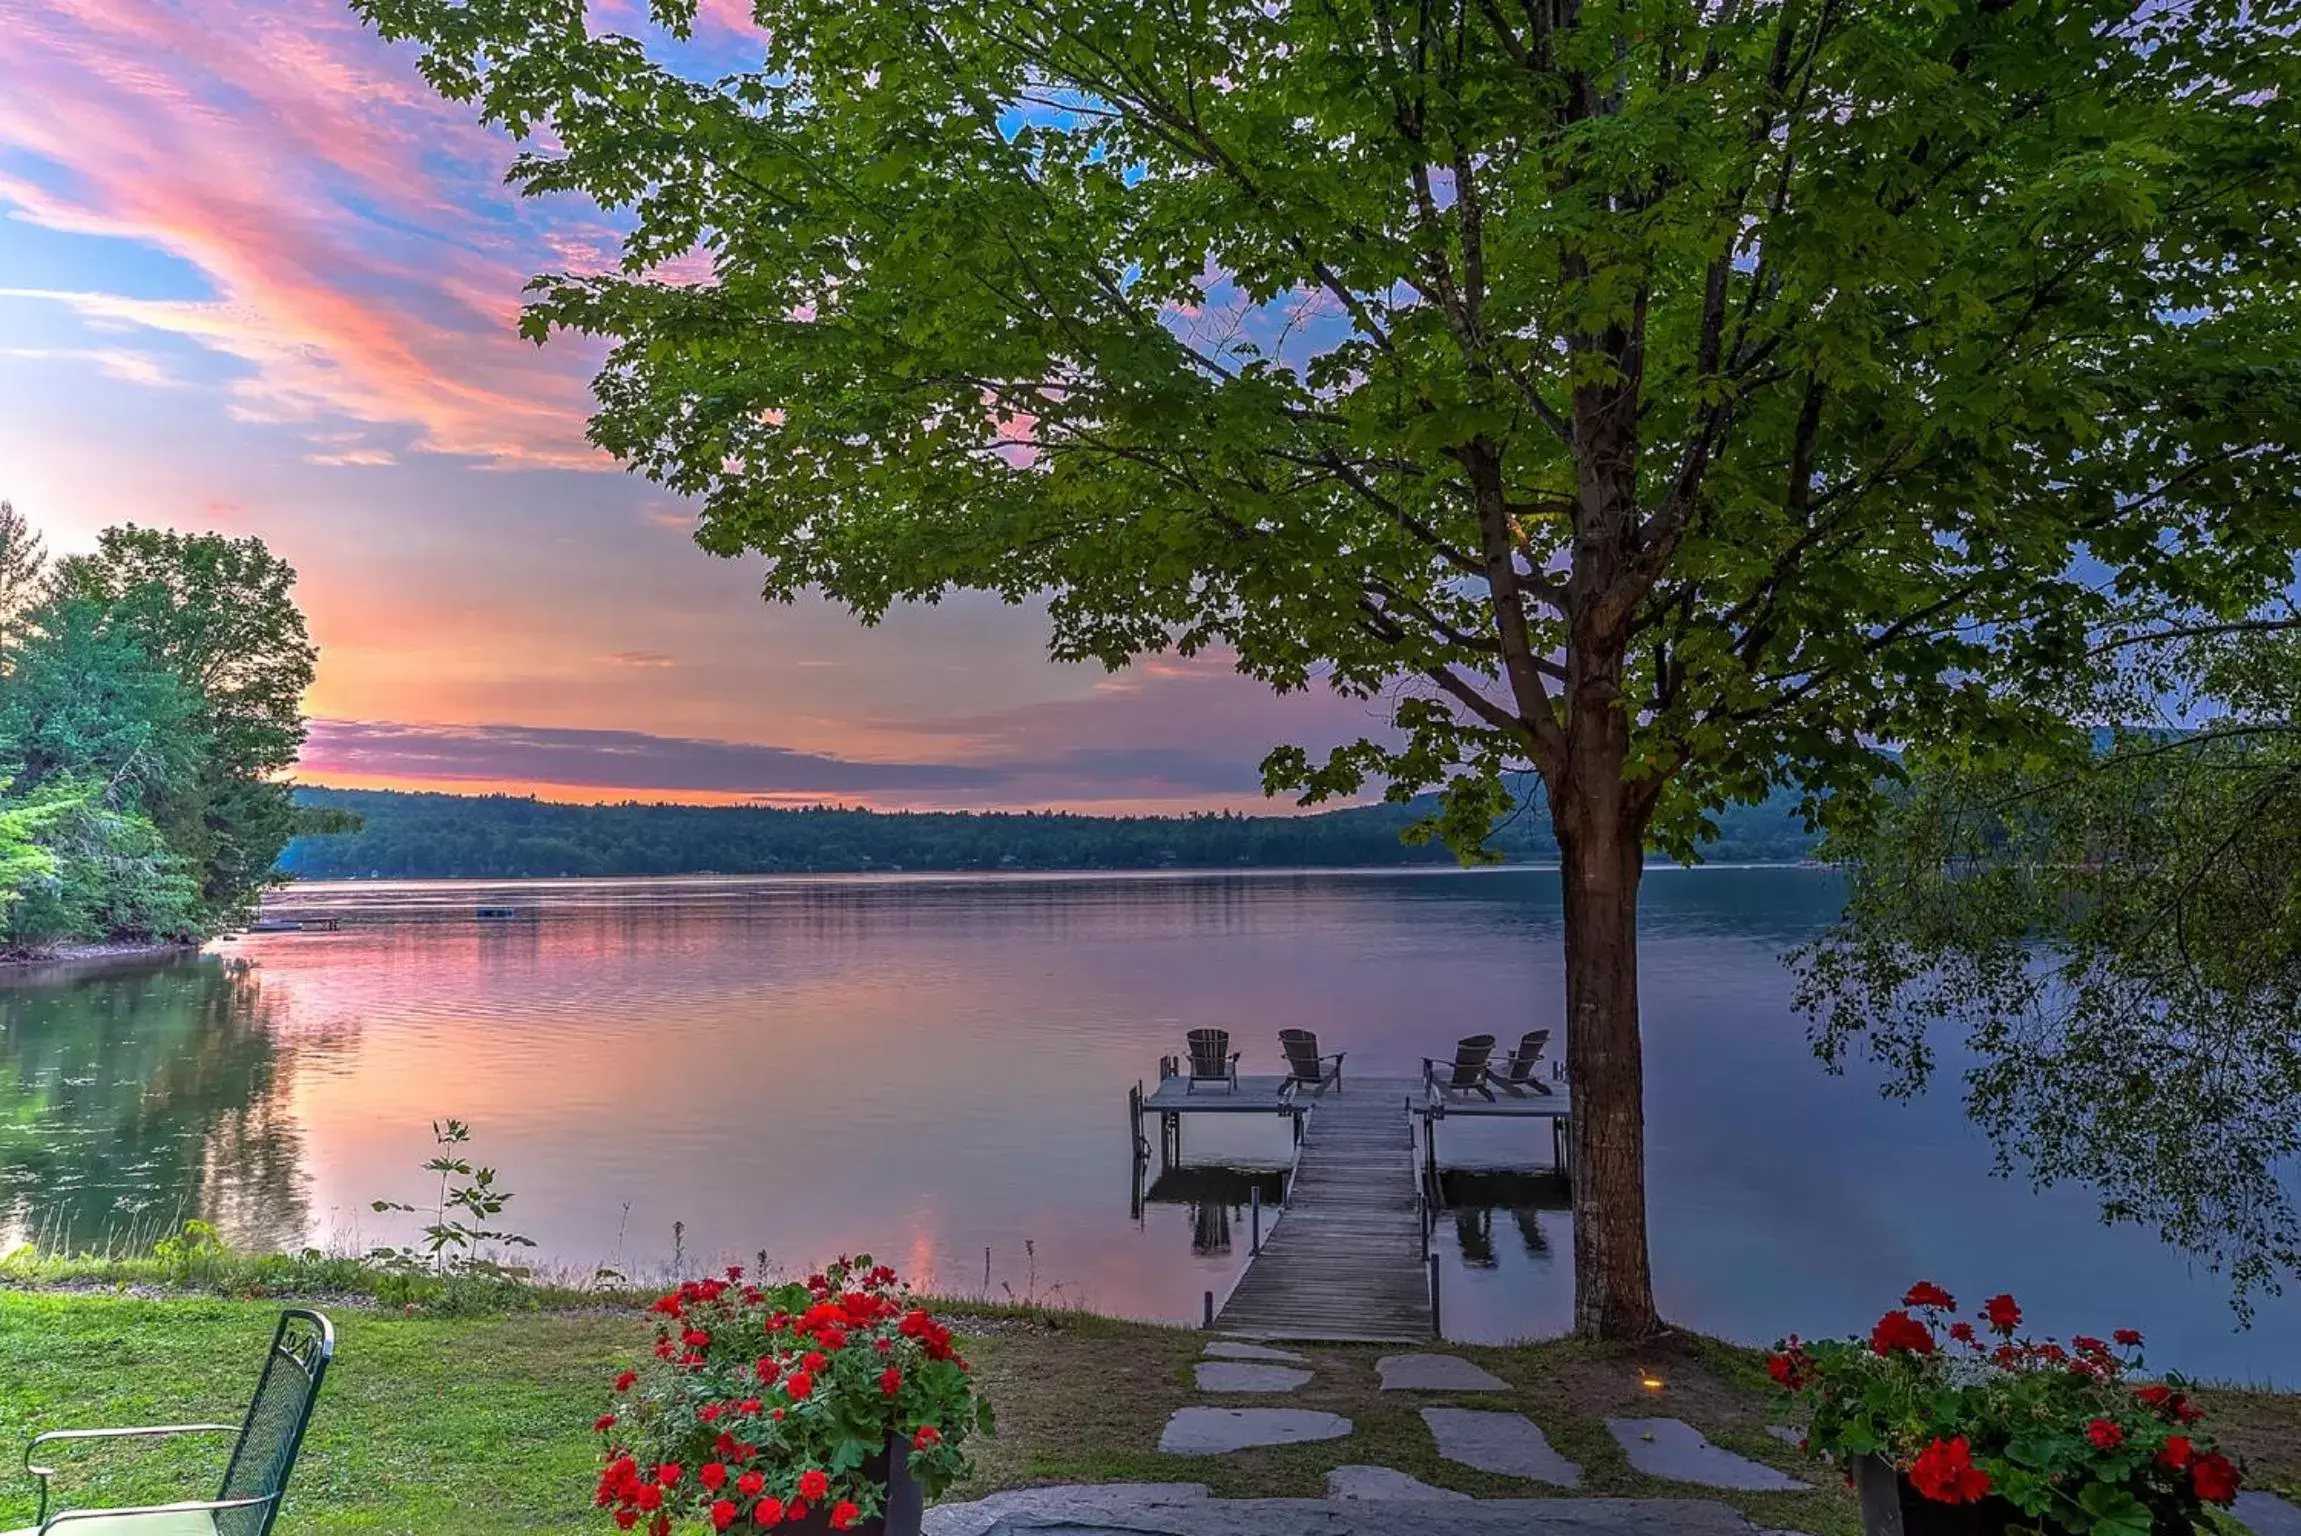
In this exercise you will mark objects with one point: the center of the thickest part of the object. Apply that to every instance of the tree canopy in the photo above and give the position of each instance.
(2106, 940)
(149, 706)
(1677, 399)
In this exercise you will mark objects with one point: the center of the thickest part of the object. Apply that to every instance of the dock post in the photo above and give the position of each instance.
(1135, 1121)
(1254, 1207)
(1430, 1141)
(1437, 1321)
(1210, 1309)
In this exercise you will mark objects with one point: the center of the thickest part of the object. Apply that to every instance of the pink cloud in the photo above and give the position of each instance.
(365, 262)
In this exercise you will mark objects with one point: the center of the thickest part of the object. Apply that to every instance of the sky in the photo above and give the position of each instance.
(256, 278)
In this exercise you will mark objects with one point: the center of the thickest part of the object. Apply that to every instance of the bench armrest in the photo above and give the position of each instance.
(64, 1522)
(69, 1436)
(147, 1432)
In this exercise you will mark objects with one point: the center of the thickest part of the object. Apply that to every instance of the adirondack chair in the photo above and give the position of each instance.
(1520, 1074)
(1211, 1059)
(1465, 1074)
(1305, 1068)
(255, 1478)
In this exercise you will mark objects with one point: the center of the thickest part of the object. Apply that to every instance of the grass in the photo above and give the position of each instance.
(480, 1423)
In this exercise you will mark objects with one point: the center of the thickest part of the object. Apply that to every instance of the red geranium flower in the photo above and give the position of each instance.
(1944, 1472)
(2129, 1337)
(669, 1473)
(1899, 1331)
(927, 1437)
(2155, 1395)
(843, 1515)
(603, 1423)
(712, 1476)
(1962, 1332)
(722, 1514)
(768, 1512)
(2003, 1312)
(647, 1496)
(814, 1483)
(625, 1519)
(751, 1484)
(890, 1381)
(799, 1385)
(2176, 1452)
(2106, 1434)
(1927, 1294)
(814, 1361)
(2214, 1476)
(624, 1381)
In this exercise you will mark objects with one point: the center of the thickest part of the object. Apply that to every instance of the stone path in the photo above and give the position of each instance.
(2265, 1514)
(1435, 1373)
(1677, 1451)
(1186, 1509)
(1232, 1349)
(1249, 1376)
(1212, 1431)
(1382, 1483)
(1509, 1443)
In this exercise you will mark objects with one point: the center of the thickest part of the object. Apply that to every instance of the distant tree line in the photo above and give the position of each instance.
(417, 836)
(149, 710)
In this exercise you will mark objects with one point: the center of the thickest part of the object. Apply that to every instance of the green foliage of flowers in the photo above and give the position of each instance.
(766, 1403)
(1969, 1409)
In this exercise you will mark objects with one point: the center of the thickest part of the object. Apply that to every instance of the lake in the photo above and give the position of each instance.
(935, 1070)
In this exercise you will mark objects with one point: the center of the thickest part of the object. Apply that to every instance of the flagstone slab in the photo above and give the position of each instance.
(1788, 1434)
(1508, 1443)
(1249, 1376)
(1213, 1431)
(1382, 1483)
(1234, 1349)
(1112, 1511)
(2265, 1514)
(1677, 1451)
(1435, 1373)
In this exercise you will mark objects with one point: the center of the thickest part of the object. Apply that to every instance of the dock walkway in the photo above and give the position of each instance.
(1344, 1261)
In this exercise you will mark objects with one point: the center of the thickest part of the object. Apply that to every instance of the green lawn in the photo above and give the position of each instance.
(477, 1425)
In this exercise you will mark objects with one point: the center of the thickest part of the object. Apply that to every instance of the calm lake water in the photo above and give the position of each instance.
(935, 1070)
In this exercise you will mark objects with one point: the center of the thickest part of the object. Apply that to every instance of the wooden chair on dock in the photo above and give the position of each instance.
(1521, 1074)
(1305, 1068)
(1211, 1059)
(1466, 1074)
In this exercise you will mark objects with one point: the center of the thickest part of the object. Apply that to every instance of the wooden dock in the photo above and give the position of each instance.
(1345, 1260)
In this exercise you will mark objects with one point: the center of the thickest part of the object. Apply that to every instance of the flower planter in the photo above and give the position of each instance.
(905, 1502)
(1891, 1507)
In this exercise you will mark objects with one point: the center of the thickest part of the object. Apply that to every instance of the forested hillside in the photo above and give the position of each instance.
(496, 836)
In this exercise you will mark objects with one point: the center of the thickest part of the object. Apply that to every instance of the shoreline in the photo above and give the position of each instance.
(127, 950)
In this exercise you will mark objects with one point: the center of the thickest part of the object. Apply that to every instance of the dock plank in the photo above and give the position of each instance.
(1344, 1261)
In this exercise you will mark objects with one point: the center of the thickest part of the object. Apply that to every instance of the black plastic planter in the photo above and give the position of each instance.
(1891, 1507)
(905, 1502)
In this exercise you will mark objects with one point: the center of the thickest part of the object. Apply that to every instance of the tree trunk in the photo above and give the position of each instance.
(1602, 854)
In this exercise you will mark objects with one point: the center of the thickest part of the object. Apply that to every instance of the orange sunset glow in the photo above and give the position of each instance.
(255, 277)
